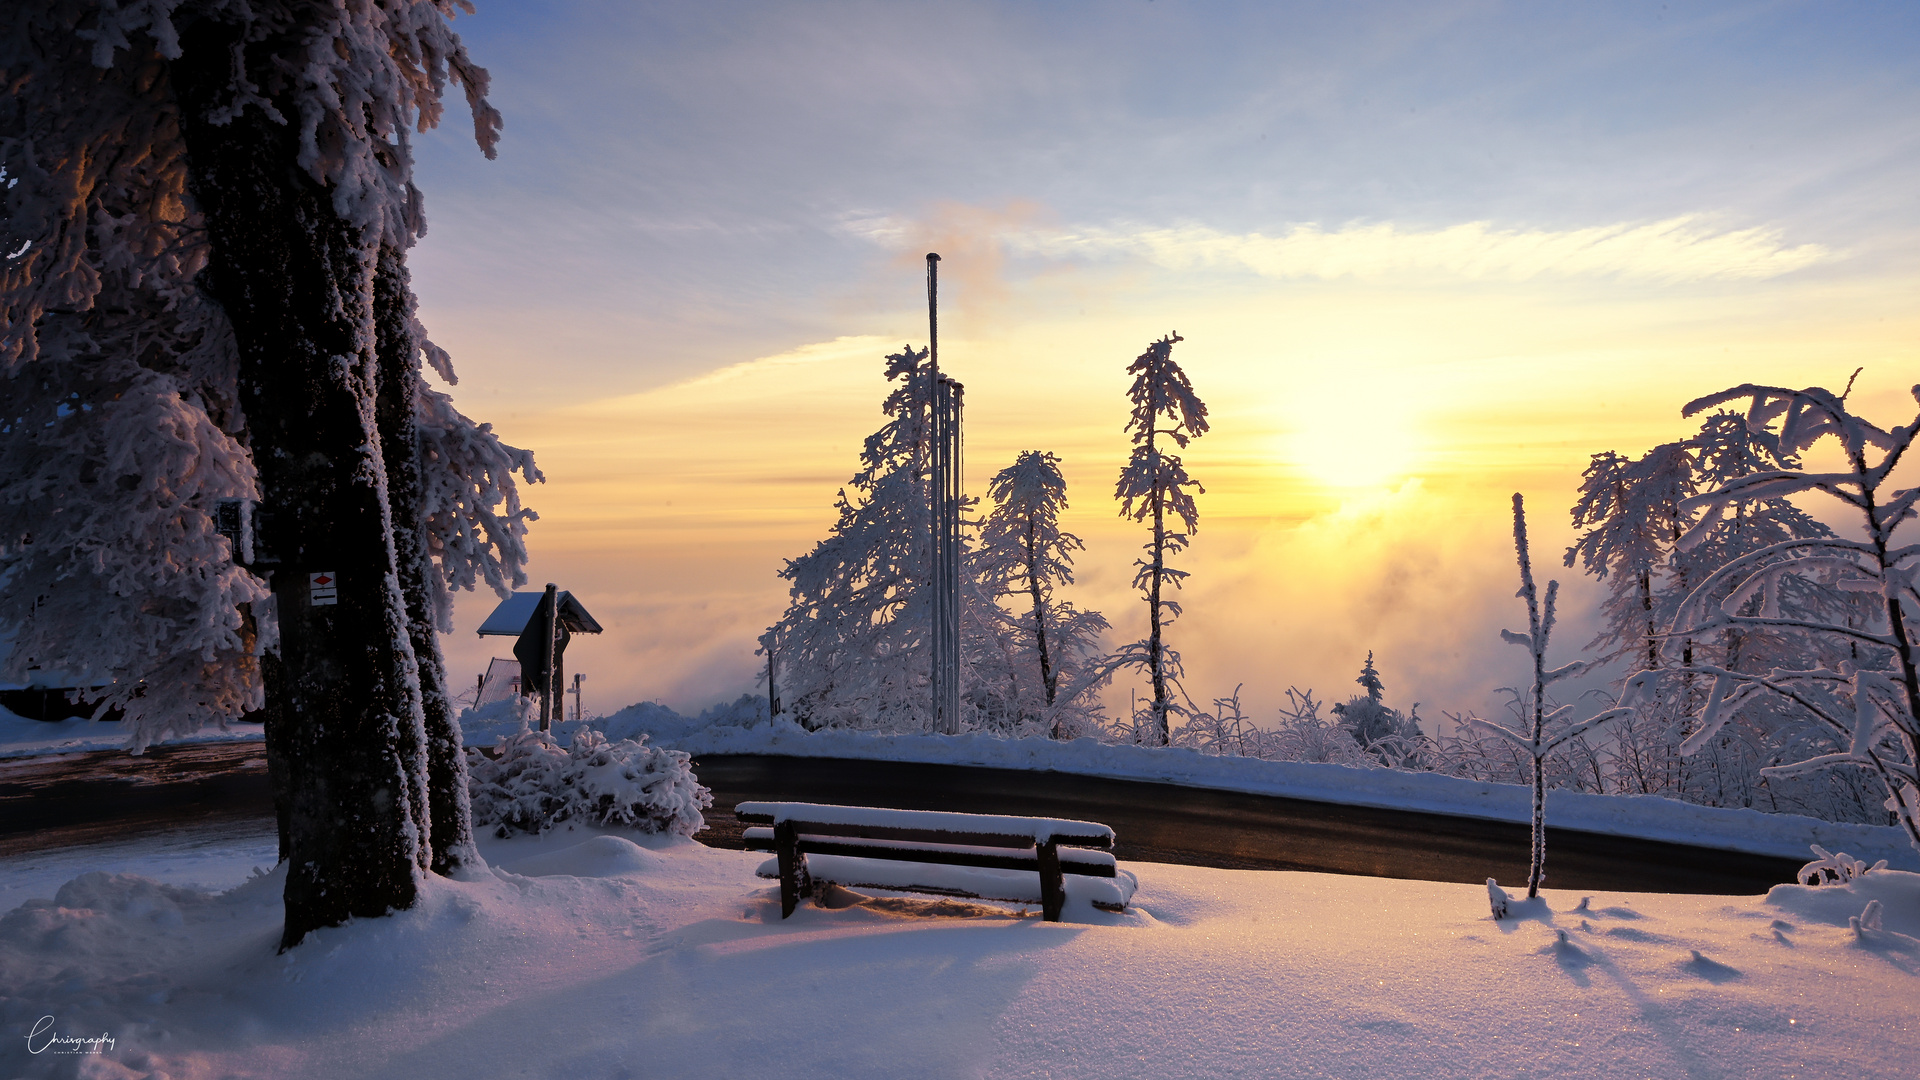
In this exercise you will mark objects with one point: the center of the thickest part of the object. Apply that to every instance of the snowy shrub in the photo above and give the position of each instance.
(534, 785)
(1838, 869)
(1301, 735)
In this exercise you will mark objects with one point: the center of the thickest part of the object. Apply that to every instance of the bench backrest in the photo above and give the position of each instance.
(927, 826)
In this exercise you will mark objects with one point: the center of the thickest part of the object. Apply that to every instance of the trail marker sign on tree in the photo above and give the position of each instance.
(323, 588)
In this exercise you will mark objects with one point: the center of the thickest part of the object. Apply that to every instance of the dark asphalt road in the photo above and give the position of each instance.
(63, 800)
(79, 798)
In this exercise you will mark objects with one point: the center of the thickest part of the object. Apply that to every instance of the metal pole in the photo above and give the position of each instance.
(944, 497)
(551, 605)
(936, 509)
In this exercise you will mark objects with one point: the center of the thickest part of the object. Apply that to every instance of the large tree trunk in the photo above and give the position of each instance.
(297, 283)
(396, 416)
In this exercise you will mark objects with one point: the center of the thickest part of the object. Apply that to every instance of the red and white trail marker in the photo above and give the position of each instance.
(323, 588)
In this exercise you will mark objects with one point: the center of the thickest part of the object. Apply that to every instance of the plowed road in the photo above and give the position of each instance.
(78, 798)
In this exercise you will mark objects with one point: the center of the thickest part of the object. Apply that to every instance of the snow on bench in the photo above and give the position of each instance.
(983, 856)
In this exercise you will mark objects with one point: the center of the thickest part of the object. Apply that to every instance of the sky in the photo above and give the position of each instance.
(1423, 256)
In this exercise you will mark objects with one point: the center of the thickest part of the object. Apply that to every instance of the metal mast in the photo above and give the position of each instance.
(946, 495)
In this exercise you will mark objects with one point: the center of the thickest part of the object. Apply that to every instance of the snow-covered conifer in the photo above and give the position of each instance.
(853, 641)
(1380, 729)
(1631, 513)
(1153, 485)
(1023, 557)
(1634, 514)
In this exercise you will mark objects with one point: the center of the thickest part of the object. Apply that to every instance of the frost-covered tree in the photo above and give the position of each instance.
(1153, 486)
(853, 641)
(1024, 555)
(1380, 729)
(1634, 516)
(208, 207)
(852, 647)
(1631, 513)
(1856, 676)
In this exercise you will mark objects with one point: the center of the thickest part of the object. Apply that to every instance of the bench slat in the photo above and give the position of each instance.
(1004, 848)
(923, 826)
(1083, 863)
(1108, 894)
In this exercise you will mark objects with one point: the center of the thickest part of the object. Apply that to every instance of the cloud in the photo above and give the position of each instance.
(1677, 249)
(814, 355)
(972, 242)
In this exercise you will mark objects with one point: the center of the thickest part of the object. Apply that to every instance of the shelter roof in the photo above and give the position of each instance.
(513, 614)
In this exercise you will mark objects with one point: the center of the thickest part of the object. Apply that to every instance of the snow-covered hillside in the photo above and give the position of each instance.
(585, 954)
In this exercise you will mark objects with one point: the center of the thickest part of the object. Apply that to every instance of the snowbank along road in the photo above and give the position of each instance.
(48, 802)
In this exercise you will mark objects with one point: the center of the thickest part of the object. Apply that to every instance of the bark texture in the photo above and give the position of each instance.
(398, 345)
(297, 283)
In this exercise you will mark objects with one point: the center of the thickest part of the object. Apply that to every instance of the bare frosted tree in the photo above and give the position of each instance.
(1154, 485)
(1865, 692)
(1540, 731)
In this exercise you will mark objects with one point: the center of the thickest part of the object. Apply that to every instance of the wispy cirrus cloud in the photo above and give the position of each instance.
(1678, 249)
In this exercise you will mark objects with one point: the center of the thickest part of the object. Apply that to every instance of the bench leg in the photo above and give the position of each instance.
(1053, 886)
(794, 880)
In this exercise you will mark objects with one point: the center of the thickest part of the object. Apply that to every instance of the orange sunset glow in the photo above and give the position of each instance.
(1416, 269)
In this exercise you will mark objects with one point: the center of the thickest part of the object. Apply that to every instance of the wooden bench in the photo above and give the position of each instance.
(847, 836)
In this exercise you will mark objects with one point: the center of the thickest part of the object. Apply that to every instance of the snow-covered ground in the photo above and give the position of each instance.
(21, 737)
(587, 954)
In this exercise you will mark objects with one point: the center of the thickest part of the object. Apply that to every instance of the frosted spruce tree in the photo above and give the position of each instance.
(1381, 730)
(1024, 556)
(1856, 677)
(1154, 485)
(851, 651)
(208, 209)
(1630, 510)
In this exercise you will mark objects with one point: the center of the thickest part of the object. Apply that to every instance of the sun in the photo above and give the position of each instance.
(1353, 449)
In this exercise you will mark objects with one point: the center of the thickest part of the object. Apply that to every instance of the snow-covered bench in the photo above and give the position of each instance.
(984, 856)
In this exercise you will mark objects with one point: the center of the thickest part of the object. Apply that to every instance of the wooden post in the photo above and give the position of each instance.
(793, 867)
(773, 694)
(1053, 886)
(551, 606)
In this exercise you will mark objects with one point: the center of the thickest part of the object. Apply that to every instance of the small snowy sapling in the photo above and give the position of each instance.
(1534, 739)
